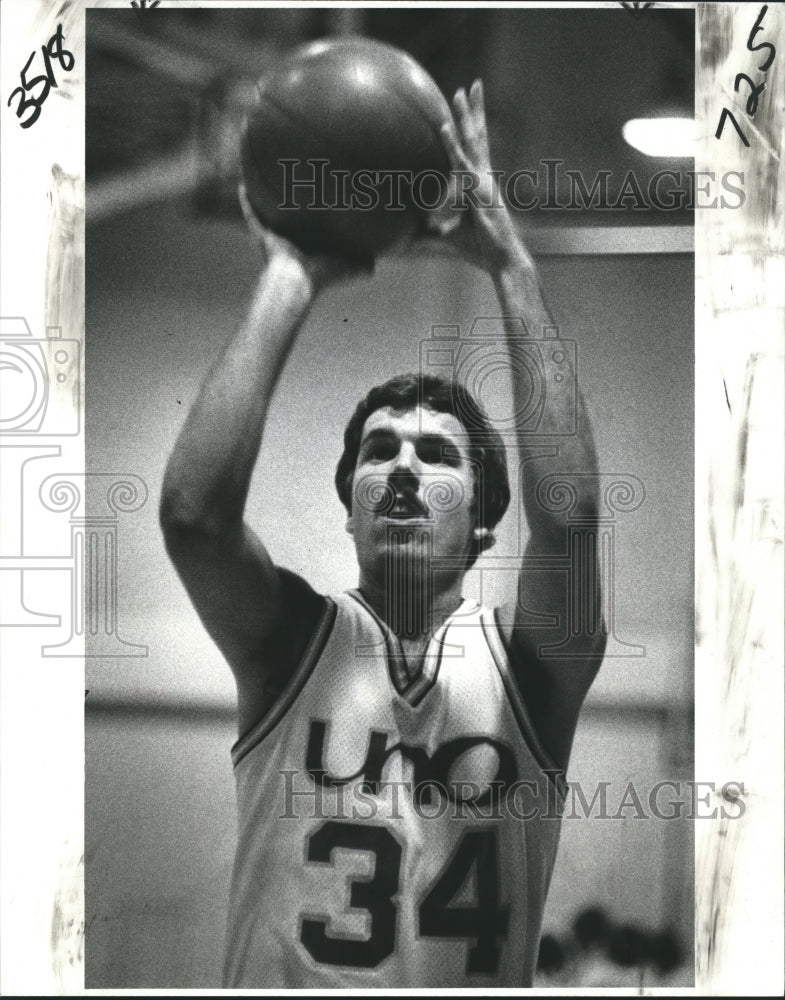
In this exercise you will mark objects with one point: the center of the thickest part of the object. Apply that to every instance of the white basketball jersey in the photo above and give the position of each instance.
(393, 832)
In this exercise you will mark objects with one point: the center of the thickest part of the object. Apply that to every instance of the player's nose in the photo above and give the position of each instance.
(407, 461)
(403, 481)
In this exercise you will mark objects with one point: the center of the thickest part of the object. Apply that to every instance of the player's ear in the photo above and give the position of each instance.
(349, 525)
(482, 537)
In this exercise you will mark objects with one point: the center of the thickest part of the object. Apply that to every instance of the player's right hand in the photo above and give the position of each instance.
(322, 269)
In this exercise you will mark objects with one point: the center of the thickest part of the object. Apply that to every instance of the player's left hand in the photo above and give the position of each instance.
(484, 232)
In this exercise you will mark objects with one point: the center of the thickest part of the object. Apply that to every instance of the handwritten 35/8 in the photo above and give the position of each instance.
(29, 101)
(755, 89)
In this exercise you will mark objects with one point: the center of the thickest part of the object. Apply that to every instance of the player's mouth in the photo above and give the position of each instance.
(407, 507)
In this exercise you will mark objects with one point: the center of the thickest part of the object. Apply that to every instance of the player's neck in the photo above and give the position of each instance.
(413, 609)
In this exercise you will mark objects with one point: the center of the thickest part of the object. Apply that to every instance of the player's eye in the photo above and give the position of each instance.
(437, 451)
(379, 448)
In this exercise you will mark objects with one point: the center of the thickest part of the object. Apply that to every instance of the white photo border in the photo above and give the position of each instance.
(740, 318)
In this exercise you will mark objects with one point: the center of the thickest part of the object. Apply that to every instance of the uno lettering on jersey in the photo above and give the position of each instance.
(430, 773)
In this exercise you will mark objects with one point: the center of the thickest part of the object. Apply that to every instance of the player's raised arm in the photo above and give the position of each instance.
(256, 613)
(553, 688)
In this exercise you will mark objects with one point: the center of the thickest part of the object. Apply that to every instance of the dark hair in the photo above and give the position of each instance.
(486, 448)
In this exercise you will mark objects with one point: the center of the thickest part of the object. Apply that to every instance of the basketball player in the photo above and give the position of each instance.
(400, 766)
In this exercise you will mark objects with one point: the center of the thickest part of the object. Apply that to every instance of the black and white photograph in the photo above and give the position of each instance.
(392, 497)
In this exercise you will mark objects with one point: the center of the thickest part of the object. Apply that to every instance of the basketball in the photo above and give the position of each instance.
(342, 151)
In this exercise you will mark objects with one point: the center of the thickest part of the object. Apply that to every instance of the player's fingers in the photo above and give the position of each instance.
(477, 97)
(471, 125)
(242, 196)
(258, 231)
(457, 157)
(477, 104)
(463, 113)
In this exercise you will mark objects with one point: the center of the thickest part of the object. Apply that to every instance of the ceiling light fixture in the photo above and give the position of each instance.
(671, 137)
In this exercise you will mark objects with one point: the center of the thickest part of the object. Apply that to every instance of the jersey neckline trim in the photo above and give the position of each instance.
(413, 689)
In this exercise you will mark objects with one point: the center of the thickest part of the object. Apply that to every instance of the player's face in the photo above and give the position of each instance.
(413, 489)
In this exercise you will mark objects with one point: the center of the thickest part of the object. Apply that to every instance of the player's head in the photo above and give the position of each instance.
(462, 442)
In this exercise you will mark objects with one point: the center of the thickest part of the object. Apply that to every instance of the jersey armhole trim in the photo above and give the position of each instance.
(493, 636)
(297, 682)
